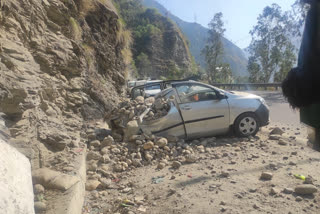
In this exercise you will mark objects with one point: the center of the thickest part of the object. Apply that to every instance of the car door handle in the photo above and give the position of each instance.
(186, 108)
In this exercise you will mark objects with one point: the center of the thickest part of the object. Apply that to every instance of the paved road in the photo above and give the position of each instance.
(282, 115)
(280, 110)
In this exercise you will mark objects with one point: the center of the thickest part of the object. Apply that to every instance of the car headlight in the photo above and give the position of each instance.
(263, 101)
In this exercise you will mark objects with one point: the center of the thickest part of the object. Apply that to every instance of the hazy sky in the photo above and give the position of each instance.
(239, 15)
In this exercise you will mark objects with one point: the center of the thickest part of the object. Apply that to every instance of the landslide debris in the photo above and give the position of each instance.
(61, 68)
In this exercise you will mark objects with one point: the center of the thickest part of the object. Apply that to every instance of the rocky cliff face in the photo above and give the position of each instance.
(159, 48)
(169, 53)
(197, 35)
(61, 66)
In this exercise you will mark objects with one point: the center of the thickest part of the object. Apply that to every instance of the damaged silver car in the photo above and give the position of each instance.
(200, 110)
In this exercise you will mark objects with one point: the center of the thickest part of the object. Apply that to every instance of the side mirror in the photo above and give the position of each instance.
(221, 96)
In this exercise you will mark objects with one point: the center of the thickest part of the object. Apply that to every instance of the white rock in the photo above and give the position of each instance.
(140, 100)
(95, 143)
(148, 157)
(266, 176)
(282, 142)
(274, 137)
(176, 164)
(16, 190)
(38, 188)
(149, 101)
(161, 166)
(274, 191)
(162, 142)
(53, 179)
(288, 190)
(115, 151)
(148, 145)
(40, 206)
(131, 129)
(158, 104)
(92, 184)
(107, 141)
(276, 131)
(93, 156)
(190, 158)
(305, 189)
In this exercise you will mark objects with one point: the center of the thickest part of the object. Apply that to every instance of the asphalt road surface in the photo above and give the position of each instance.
(280, 110)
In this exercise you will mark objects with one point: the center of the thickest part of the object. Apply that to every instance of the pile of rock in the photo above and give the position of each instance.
(160, 108)
(124, 120)
(104, 158)
(45, 178)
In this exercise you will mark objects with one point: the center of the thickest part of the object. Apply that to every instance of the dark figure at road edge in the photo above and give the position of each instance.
(302, 85)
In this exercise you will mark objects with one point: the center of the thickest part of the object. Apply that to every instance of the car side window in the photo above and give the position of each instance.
(195, 93)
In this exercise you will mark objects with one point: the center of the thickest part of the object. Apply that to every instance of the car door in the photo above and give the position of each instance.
(203, 111)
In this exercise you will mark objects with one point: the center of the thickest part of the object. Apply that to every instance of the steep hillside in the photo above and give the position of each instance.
(197, 35)
(61, 66)
(159, 48)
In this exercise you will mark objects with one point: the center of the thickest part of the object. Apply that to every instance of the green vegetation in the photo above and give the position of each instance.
(217, 71)
(272, 53)
(76, 29)
(197, 36)
(144, 65)
(153, 38)
(88, 53)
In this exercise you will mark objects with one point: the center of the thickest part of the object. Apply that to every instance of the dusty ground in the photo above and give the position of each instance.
(225, 178)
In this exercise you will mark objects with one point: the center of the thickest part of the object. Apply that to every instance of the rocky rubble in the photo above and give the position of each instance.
(61, 67)
(126, 148)
(112, 156)
(144, 173)
(124, 120)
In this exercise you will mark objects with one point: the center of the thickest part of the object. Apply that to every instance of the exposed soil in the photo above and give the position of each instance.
(225, 178)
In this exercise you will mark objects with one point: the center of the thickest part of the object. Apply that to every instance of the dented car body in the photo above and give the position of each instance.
(200, 110)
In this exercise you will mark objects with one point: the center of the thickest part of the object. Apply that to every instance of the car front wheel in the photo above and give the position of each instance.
(246, 124)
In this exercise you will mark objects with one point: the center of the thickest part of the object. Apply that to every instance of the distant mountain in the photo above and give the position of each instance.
(197, 36)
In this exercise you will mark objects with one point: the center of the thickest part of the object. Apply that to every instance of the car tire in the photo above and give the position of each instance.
(246, 124)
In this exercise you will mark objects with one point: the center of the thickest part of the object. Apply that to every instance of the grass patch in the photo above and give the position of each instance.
(109, 4)
(125, 40)
(127, 56)
(88, 53)
(76, 29)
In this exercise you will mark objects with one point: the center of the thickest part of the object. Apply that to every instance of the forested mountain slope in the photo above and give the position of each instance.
(197, 36)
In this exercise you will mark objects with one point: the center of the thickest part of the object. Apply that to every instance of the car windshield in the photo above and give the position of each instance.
(140, 83)
(153, 87)
(131, 84)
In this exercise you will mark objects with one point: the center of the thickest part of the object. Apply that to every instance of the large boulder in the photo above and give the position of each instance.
(131, 129)
(16, 192)
(53, 179)
(305, 189)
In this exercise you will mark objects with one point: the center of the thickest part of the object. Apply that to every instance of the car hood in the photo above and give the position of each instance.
(241, 94)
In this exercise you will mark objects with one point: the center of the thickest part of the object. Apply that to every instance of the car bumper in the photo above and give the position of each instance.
(263, 114)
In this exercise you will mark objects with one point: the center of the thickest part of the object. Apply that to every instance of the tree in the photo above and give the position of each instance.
(224, 74)
(298, 16)
(254, 70)
(213, 50)
(270, 46)
(287, 62)
(143, 65)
